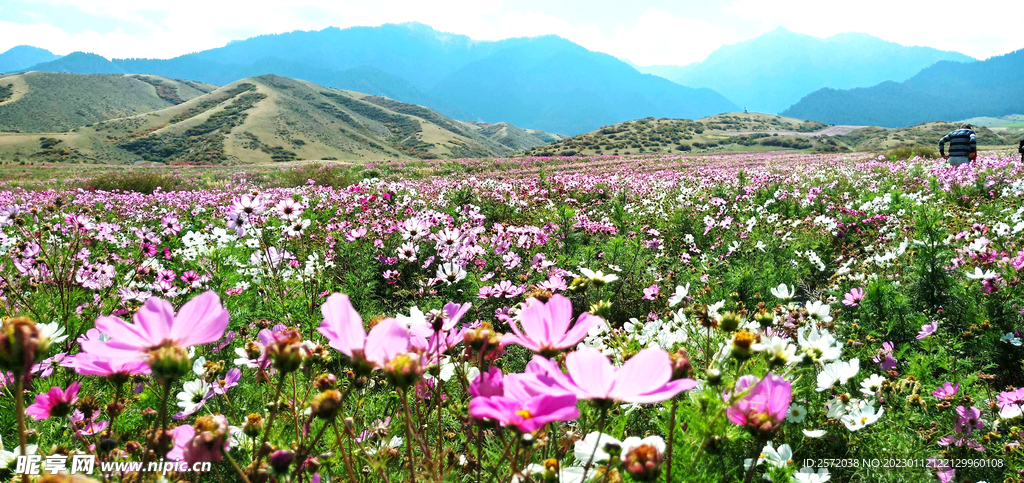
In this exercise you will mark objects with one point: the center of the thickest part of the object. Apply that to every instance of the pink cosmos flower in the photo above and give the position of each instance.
(946, 390)
(651, 293)
(487, 384)
(206, 441)
(93, 365)
(884, 359)
(545, 326)
(943, 471)
(526, 415)
(765, 405)
(854, 297)
(343, 328)
(55, 402)
(201, 320)
(928, 329)
(644, 378)
(968, 419)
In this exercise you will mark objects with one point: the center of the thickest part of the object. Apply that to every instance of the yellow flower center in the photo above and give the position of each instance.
(524, 413)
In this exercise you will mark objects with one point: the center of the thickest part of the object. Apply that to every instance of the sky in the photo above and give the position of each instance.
(666, 32)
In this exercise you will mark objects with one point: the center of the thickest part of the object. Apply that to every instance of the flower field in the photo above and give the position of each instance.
(750, 317)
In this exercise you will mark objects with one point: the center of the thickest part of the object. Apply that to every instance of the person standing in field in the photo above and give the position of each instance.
(963, 145)
(1020, 148)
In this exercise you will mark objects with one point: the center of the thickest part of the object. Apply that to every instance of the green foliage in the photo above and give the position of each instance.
(144, 181)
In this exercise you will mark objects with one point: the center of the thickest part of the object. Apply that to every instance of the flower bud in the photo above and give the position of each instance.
(286, 350)
(714, 376)
(601, 308)
(253, 425)
(280, 460)
(21, 345)
(644, 462)
(730, 321)
(681, 367)
(326, 404)
(326, 381)
(404, 370)
(169, 362)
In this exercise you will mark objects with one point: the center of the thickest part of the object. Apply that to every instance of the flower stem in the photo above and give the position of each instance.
(408, 435)
(602, 420)
(270, 423)
(671, 438)
(19, 404)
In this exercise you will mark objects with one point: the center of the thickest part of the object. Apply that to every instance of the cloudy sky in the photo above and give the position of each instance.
(656, 32)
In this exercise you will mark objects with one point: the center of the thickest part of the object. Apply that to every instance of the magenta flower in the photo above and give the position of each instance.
(854, 297)
(943, 471)
(487, 384)
(968, 419)
(526, 415)
(343, 328)
(55, 402)
(928, 329)
(946, 390)
(93, 365)
(884, 359)
(644, 378)
(765, 404)
(230, 380)
(545, 326)
(651, 293)
(200, 321)
(206, 441)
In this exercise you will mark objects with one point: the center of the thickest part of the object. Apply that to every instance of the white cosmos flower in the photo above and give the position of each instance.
(450, 273)
(633, 442)
(783, 292)
(199, 366)
(819, 345)
(872, 385)
(808, 475)
(862, 417)
(837, 407)
(837, 371)
(818, 311)
(594, 444)
(680, 294)
(192, 394)
(982, 275)
(780, 350)
(567, 474)
(778, 457)
(814, 433)
(796, 414)
(598, 276)
(53, 332)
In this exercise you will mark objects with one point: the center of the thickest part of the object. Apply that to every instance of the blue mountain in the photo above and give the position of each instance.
(23, 57)
(773, 71)
(544, 83)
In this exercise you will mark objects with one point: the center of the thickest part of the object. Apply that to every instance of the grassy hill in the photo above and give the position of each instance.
(741, 132)
(515, 138)
(264, 119)
(49, 102)
(723, 132)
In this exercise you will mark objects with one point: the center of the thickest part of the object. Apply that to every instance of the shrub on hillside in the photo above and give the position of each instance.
(140, 181)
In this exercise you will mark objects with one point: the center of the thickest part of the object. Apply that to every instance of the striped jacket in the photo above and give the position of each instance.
(961, 143)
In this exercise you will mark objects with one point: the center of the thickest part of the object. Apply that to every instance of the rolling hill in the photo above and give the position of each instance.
(544, 83)
(947, 90)
(49, 102)
(22, 57)
(773, 71)
(741, 132)
(266, 119)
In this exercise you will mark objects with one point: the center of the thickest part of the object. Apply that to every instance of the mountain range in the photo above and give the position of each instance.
(993, 87)
(546, 83)
(118, 118)
(773, 71)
